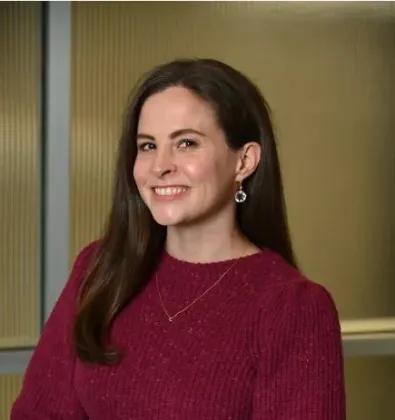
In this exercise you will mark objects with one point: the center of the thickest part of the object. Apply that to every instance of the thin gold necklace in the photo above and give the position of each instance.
(171, 317)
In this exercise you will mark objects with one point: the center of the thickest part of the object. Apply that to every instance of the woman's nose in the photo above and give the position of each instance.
(163, 164)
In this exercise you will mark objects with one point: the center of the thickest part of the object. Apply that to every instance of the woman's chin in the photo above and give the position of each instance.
(169, 220)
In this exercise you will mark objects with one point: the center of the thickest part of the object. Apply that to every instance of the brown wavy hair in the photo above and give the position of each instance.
(132, 243)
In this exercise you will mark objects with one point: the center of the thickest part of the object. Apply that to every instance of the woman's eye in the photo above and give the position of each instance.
(187, 143)
(145, 147)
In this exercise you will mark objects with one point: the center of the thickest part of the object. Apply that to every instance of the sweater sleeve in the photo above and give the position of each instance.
(300, 372)
(47, 391)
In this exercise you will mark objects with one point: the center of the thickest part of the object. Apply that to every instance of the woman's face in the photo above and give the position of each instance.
(184, 170)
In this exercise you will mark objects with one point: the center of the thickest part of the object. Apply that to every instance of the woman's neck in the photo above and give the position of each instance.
(207, 245)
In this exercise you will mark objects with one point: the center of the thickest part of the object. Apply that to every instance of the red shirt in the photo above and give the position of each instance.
(263, 344)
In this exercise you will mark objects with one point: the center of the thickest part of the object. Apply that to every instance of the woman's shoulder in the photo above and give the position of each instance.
(82, 262)
(291, 307)
(85, 255)
(87, 251)
(289, 289)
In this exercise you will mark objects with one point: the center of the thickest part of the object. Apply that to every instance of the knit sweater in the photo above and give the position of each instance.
(263, 344)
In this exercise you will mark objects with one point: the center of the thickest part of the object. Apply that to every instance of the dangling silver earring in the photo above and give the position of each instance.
(240, 195)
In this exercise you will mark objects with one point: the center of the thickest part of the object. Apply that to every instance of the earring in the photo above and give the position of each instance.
(240, 195)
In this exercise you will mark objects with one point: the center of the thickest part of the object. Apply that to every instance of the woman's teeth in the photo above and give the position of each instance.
(169, 190)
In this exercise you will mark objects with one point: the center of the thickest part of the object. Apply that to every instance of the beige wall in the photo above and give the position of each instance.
(331, 84)
(19, 185)
(19, 174)
(370, 388)
(9, 388)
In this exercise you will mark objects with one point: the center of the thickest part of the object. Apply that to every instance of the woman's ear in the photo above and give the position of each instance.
(248, 161)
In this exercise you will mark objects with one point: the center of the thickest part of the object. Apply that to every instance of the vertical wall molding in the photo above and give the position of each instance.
(56, 145)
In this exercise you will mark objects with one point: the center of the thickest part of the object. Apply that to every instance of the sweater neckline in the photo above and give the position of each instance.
(180, 282)
(192, 265)
(174, 272)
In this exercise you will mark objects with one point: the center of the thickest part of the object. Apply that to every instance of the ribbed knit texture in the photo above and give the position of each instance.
(263, 344)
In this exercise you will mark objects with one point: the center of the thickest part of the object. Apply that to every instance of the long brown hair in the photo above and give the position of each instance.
(132, 243)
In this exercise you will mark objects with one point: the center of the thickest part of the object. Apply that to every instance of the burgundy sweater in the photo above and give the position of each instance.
(263, 344)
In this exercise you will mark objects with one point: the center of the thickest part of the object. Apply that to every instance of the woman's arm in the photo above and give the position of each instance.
(300, 373)
(47, 391)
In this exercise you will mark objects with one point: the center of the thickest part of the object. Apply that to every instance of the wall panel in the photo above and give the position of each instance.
(330, 78)
(19, 173)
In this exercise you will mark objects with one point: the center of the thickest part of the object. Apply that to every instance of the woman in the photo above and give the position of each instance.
(191, 305)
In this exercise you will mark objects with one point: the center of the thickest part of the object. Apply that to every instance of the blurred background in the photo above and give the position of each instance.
(326, 69)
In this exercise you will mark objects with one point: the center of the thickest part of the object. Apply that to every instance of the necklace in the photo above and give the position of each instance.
(171, 317)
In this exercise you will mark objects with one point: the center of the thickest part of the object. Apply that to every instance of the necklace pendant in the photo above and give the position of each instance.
(171, 318)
